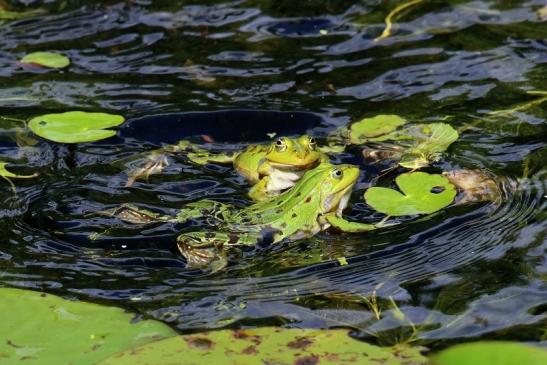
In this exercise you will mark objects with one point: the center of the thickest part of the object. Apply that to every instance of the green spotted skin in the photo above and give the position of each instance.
(299, 212)
(272, 167)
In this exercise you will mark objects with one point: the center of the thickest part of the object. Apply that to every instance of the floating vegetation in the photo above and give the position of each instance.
(46, 59)
(75, 126)
(374, 127)
(93, 331)
(5, 173)
(389, 24)
(491, 352)
(267, 345)
(422, 193)
(14, 15)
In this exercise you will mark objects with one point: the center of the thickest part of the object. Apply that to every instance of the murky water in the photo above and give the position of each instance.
(238, 70)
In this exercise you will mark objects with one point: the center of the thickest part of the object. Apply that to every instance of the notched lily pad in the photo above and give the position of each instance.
(422, 193)
(5, 173)
(490, 352)
(373, 127)
(267, 346)
(43, 329)
(46, 59)
(75, 126)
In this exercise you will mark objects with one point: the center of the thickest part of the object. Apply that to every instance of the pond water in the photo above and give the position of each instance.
(236, 71)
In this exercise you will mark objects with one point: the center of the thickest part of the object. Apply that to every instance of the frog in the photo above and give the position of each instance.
(312, 205)
(475, 186)
(271, 168)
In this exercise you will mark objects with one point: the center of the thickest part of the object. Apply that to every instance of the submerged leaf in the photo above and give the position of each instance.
(46, 59)
(39, 328)
(374, 127)
(75, 127)
(5, 173)
(490, 352)
(267, 345)
(12, 15)
(422, 193)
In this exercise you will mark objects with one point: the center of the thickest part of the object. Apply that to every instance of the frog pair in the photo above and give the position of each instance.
(313, 204)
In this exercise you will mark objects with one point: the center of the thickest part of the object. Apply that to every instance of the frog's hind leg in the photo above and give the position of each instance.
(207, 250)
(132, 214)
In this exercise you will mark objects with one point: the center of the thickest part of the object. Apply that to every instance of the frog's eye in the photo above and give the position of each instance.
(336, 173)
(280, 144)
(312, 143)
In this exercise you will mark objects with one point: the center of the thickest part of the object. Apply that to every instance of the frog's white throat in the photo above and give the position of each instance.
(280, 179)
(343, 202)
(337, 202)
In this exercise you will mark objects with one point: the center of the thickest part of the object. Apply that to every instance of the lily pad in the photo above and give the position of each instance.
(490, 352)
(43, 329)
(436, 139)
(374, 127)
(422, 193)
(267, 346)
(46, 59)
(4, 172)
(75, 126)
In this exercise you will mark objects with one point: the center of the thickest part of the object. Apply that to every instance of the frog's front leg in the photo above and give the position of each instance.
(214, 211)
(207, 250)
(347, 226)
(259, 191)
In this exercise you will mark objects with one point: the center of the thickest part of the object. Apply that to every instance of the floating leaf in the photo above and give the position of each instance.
(46, 59)
(490, 352)
(374, 127)
(267, 346)
(419, 195)
(5, 173)
(43, 329)
(438, 137)
(419, 144)
(75, 127)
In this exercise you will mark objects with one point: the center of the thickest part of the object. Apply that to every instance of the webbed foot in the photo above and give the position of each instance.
(155, 163)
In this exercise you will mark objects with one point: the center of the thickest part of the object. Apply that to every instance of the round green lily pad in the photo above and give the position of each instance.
(491, 352)
(43, 329)
(374, 127)
(75, 127)
(46, 59)
(422, 193)
(267, 345)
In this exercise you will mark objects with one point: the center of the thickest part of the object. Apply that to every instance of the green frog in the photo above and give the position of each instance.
(313, 204)
(271, 168)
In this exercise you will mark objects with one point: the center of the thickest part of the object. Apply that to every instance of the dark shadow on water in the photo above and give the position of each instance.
(221, 126)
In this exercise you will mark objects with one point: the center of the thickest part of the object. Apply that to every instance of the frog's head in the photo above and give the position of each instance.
(336, 185)
(300, 153)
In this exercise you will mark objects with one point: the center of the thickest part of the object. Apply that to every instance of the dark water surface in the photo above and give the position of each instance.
(238, 70)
